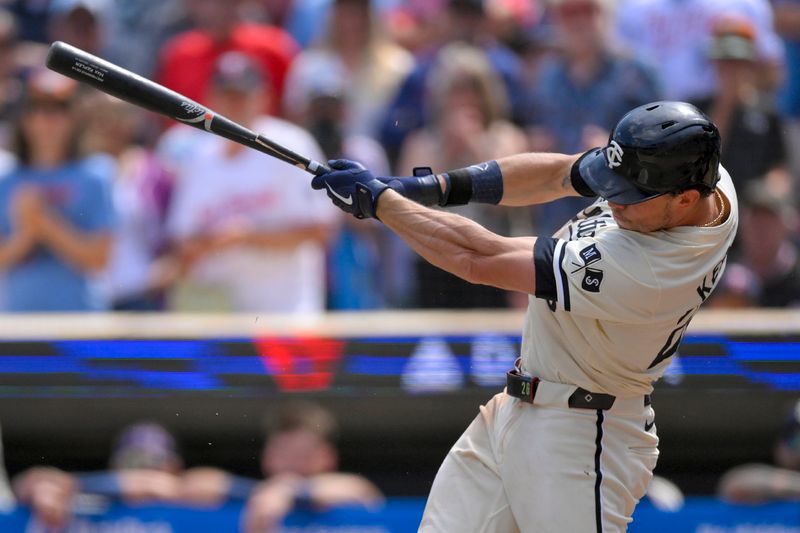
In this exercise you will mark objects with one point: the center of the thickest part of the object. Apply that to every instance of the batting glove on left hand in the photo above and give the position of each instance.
(352, 187)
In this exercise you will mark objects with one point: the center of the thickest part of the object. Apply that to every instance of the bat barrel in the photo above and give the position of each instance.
(125, 85)
(112, 79)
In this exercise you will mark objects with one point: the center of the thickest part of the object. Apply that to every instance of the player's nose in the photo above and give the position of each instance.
(615, 206)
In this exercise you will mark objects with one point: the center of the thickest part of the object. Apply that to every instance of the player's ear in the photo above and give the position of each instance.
(688, 198)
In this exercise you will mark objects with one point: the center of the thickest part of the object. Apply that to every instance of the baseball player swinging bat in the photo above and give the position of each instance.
(125, 85)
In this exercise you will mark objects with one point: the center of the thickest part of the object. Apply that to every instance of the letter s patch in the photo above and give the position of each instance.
(592, 280)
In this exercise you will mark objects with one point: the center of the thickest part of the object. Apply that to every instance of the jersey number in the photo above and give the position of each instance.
(707, 285)
(675, 338)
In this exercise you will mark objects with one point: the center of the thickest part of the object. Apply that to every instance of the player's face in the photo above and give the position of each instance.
(652, 215)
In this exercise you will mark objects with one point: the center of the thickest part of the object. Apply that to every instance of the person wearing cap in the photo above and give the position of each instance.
(186, 61)
(78, 22)
(571, 443)
(754, 146)
(248, 233)
(757, 483)
(56, 212)
(673, 36)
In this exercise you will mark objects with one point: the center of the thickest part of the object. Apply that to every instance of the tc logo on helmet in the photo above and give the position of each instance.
(614, 155)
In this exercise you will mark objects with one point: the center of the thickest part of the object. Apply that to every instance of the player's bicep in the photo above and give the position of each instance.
(511, 268)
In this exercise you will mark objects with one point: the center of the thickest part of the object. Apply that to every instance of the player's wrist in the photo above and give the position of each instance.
(481, 183)
(424, 190)
(367, 195)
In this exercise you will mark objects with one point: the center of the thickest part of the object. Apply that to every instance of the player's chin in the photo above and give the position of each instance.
(621, 221)
(624, 223)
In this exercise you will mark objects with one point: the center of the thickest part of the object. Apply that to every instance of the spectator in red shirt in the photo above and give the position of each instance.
(187, 60)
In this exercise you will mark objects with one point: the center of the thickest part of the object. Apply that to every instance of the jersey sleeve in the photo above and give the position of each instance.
(602, 278)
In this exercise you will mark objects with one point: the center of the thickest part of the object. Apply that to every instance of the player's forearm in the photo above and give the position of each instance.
(518, 180)
(536, 178)
(456, 244)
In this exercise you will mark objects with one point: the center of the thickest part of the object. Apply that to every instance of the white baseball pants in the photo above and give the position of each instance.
(545, 468)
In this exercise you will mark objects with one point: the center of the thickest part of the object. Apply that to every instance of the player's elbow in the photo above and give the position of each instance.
(509, 271)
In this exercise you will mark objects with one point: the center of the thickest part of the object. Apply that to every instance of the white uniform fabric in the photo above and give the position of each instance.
(215, 193)
(622, 298)
(609, 304)
(543, 469)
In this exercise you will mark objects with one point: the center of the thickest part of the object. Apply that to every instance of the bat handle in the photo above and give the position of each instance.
(317, 168)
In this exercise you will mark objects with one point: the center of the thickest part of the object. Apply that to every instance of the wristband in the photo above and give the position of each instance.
(482, 183)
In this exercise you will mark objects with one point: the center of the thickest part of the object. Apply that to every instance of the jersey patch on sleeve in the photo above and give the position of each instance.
(590, 255)
(592, 279)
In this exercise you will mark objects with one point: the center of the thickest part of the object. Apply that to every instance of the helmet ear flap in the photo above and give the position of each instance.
(712, 173)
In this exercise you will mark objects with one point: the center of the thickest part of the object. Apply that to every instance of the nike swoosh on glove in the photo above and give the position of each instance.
(351, 187)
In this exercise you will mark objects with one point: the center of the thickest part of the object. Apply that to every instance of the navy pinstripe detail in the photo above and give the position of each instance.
(598, 504)
(543, 251)
(564, 280)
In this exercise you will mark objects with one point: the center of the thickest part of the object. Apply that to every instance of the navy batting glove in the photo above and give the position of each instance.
(351, 187)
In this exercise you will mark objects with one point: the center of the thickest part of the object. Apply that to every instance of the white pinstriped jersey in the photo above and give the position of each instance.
(611, 304)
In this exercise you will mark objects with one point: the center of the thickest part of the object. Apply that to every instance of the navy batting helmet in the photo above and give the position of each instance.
(654, 149)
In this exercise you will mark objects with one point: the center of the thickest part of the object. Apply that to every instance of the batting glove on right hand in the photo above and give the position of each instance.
(351, 187)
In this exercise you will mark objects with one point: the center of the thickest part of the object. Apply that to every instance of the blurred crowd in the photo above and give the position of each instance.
(299, 462)
(104, 206)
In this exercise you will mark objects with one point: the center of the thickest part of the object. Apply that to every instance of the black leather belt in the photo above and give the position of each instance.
(524, 388)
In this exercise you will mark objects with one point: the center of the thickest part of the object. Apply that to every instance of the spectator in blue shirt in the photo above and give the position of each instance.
(582, 91)
(56, 214)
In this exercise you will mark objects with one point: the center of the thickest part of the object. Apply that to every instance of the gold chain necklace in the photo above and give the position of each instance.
(720, 203)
